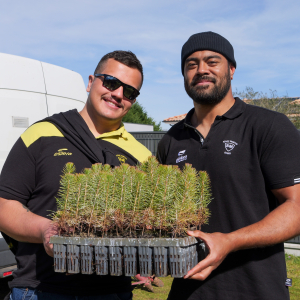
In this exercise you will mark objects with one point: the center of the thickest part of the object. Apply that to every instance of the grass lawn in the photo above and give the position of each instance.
(293, 270)
(160, 293)
(293, 267)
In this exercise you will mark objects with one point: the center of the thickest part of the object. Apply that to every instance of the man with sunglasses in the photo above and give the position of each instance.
(252, 157)
(29, 181)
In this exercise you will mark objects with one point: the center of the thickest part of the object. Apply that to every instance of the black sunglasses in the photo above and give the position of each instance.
(112, 83)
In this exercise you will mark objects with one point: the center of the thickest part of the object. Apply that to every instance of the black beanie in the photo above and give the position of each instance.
(207, 41)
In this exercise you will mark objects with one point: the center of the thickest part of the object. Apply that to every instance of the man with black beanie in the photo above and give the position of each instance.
(251, 156)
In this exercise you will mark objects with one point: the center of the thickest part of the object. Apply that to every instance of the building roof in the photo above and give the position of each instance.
(297, 101)
(174, 120)
(247, 100)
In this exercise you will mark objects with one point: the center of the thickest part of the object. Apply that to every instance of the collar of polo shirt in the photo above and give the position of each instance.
(236, 110)
(121, 132)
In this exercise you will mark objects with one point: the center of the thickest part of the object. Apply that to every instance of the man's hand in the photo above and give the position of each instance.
(278, 226)
(219, 245)
(50, 230)
(18, 222)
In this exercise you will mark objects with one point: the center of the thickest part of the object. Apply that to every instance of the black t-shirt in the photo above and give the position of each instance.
(31, 175)
(248, 152)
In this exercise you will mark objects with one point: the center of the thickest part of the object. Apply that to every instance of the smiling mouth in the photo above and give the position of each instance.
(113, 103)
(203, 81)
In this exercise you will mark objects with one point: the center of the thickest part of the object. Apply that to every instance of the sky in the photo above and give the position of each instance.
(75, 35)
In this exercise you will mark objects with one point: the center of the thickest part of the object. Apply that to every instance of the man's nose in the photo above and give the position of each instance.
(203, 68)
(118, 93)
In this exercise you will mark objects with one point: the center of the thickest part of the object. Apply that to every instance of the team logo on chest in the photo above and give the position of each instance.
(121, 158)
(181, 156)
(229, 146)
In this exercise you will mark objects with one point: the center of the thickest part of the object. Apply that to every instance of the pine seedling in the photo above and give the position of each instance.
(84, 199)
(74, 219)
(111, 207)
(164, 197)
(204, 197)
(183, 208)
(63, 192)
(96, 168)
(149, 165)
(91, 193)
(71, 204)
(101, 201)
(152, 190)
(65, 195)
(107, 222)
(96, 190)
(135, 210)
(107, 168)
(122, 194)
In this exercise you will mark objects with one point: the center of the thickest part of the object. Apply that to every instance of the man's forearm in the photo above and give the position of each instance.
(278, 226)
(19, 223)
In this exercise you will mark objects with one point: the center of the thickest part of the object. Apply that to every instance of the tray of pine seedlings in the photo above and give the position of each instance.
(130, 220)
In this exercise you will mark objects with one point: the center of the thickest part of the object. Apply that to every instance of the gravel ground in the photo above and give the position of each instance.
(4, 287)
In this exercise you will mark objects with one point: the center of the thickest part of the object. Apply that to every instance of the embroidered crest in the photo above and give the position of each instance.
(122, 159)
(288, 282)
(229, 146)
(181, 152)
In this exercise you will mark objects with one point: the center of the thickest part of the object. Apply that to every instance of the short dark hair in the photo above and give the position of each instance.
(127, 58)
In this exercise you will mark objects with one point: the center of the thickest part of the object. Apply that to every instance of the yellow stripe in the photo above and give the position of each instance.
(129, 144)
(38, 130)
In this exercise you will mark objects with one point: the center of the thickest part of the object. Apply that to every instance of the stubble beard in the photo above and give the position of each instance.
(201, 95)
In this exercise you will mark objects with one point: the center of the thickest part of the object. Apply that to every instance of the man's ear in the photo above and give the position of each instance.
(91, 80)
(232, 70)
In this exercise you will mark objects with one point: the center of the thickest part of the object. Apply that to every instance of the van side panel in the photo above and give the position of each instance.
(59, 104)
(19, 109)
(63, 82)
(20, 73)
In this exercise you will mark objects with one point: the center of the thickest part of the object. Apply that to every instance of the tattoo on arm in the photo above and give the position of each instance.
(26, 207)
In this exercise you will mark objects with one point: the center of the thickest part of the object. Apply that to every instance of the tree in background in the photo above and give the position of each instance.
(138, 115)
(272, 101)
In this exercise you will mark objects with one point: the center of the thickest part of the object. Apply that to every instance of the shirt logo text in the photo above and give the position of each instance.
(62, 152)
(181, 157)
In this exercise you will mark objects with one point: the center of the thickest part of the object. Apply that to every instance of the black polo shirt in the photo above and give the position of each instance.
(248, 152)
(31, 175)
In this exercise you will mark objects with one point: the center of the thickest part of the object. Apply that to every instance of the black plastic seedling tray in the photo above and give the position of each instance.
(126, 256)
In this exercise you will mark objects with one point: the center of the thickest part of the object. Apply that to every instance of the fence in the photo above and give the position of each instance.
(295, 240)
(149, 139)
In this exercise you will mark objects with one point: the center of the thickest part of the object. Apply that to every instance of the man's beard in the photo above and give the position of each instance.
(200, 94)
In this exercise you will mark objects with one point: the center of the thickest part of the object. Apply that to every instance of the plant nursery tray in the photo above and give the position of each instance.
(127, 256)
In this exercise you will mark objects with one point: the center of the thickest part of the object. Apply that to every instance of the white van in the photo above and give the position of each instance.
(31, 90)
